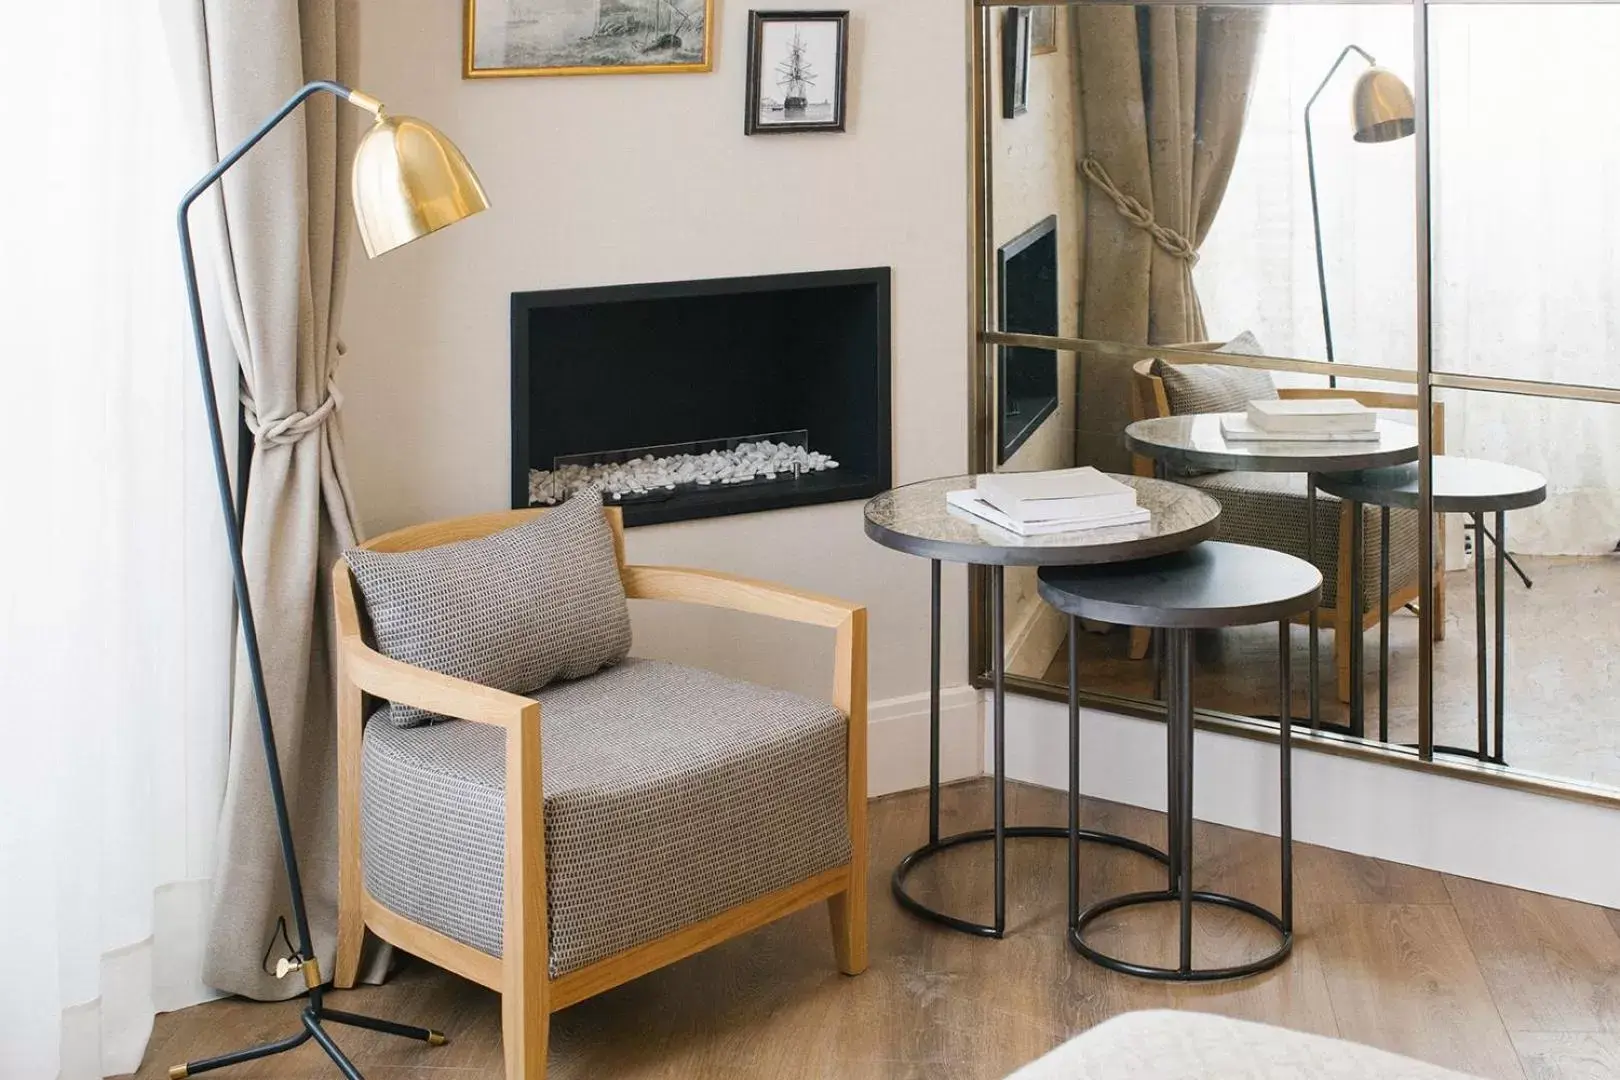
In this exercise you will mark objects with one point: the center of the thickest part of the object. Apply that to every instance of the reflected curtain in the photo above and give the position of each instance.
(278, 252)
(1162, 94)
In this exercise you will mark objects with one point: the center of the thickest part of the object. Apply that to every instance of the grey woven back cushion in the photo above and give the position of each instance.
(1216, 388)
(514, 610)
(671, 795)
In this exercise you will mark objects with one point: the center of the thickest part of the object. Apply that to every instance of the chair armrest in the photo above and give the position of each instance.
(714, 589)
(444, 695)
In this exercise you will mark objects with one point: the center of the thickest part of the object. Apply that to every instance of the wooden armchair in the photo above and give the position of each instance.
(521, 972)
(1246, 497)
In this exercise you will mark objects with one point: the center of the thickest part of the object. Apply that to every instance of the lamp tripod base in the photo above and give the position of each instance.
(313, 1017)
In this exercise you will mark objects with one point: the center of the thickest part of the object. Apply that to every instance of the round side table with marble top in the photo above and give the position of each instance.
(1195, 441)
(1461, 486)
(915, 519)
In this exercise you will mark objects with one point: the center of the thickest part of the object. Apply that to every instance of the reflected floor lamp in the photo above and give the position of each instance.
(1381, 110)
(408, 180)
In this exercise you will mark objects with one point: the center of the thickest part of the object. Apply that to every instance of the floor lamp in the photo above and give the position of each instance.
(408, 180)
(1381, 110)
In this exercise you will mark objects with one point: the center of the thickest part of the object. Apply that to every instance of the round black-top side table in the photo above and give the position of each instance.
(1209, 586)
(1461, 486)
(916, 519)
(1195, 441)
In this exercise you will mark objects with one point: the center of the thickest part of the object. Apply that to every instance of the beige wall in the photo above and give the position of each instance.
(1034, 176)
(615, 179)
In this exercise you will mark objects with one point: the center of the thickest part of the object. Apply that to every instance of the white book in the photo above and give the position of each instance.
(1312, 415)
(1237, 428)
(1056, 494)
(971, 503)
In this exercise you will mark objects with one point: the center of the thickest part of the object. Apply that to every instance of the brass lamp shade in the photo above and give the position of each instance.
(410, 180)
(1381, 107)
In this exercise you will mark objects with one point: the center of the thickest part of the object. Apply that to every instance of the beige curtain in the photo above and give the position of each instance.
(1162, 92)
(276, 258)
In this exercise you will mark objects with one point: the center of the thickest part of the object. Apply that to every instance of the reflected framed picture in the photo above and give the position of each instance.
(798, 71)
(1015, 62)
(1042, 30)
(507, 38)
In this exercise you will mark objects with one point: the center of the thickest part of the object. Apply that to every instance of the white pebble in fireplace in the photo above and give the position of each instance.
(747, 462)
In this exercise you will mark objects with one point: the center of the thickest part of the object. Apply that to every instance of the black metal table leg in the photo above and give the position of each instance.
(1501, 635)
(1285, 774)
(1001, 832)
(1313, 679)
(1074, 770)
(1383, 624)
(1179, 742)
(1479, 633)
(933, 702)
(1357, 643)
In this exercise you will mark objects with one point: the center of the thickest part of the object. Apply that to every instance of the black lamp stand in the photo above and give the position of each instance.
(315, 1013)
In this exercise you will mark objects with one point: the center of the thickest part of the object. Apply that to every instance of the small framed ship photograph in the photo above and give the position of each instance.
(798, 67)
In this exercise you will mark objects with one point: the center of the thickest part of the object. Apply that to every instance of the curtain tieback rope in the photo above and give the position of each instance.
(286, 430)
(1137, 214)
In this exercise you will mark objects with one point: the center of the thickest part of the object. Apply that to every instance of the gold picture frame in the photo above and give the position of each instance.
(629, 28)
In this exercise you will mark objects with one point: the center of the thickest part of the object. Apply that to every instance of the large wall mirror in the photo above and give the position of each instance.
(1182, 208)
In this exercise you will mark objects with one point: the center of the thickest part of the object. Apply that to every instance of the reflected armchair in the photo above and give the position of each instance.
(1268, 510)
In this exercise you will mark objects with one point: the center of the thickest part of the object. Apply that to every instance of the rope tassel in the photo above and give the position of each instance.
(1137, 214)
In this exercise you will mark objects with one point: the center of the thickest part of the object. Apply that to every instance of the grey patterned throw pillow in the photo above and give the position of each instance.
(515, 610)
(1216, 388)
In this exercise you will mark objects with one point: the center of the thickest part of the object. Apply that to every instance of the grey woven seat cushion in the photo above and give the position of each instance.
(1268, 510)
(671, 796)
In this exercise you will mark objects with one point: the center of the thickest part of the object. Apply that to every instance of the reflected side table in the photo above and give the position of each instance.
(1195, 441)
(916, 520)
(1461, 486)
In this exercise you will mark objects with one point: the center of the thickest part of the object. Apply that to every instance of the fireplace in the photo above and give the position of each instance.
(696, 399)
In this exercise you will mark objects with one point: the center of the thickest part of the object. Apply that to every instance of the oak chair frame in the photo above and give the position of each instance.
(1149, 401)
(521, 973)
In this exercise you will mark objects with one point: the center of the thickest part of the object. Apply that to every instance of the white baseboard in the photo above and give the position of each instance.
(1510, 837)
(897, 740)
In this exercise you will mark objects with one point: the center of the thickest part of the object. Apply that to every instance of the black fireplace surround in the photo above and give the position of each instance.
(601, 370)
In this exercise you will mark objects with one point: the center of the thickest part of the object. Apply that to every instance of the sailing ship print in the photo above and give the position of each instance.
(796, 72)
(796, 77)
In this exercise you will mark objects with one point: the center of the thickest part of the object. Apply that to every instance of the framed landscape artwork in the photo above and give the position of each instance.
(503, 38)
(798, 70)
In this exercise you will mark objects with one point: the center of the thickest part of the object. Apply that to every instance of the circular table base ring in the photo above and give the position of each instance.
(1012, 832)
(1144, 971)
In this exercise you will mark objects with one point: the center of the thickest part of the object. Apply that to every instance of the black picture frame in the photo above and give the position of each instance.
(757, 106)
(1015, 54)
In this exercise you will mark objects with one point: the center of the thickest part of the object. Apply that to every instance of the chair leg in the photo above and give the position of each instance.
(1141, 642)
(351, 933)
(525, 1028)
(847, 912)
(1342, 629)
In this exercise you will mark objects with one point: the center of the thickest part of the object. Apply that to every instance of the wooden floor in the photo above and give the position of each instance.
(1477, 977)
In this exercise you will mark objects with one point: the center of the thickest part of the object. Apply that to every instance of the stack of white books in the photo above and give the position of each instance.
(1056, 501)
(1302, 420)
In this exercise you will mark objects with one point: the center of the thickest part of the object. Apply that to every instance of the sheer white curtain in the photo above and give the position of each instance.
(1526, 160)
(117, 618)
(1527, 251)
